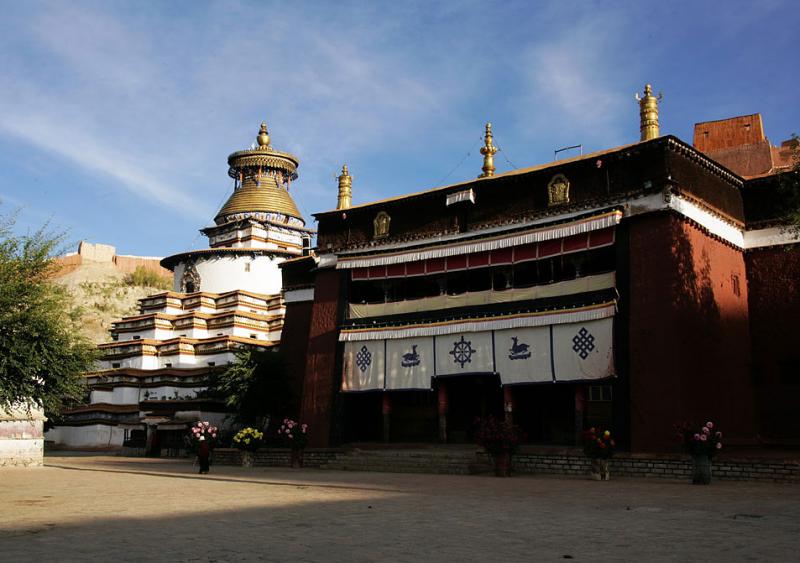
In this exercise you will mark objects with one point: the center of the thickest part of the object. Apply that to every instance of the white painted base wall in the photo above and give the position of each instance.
(21, 441)
(91, 436)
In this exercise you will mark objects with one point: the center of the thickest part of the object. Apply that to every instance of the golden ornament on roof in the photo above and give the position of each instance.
(488, 150)
(345, 189)
(263, 136)
(648, 113)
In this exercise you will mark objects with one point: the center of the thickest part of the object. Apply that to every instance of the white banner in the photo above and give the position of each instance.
(583, 350)
(364, 366)
(409, 363)
(469, 352)
(523, 355)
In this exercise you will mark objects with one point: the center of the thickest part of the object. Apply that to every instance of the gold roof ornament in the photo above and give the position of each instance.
(264, 175)
(263, 136)
(345, 189)
(488, 150)
(648, 113)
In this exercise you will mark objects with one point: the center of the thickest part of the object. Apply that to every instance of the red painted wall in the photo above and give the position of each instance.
(689, 334)
(294, 343)
(774, 295)
(318, 386)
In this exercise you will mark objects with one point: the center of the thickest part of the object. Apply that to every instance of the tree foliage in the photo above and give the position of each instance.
(42, 351)
(256, 388)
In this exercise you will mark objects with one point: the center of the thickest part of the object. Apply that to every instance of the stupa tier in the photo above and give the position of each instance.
(151, 379)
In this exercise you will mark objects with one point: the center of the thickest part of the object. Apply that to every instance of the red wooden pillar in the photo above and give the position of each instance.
(442, 413)
(580, 409)
(386, 409)
(508, 404)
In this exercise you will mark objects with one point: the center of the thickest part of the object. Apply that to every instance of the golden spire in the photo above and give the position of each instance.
(648, 113)
(263, 136)
(345, 189)
(488, 151)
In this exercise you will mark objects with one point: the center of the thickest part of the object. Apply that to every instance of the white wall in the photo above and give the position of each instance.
(228, 273)
(21, 442)
(92, 436)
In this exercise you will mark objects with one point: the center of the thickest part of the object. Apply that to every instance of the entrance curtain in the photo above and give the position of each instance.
(583, 351)
(469, 352)
(364, 366)
(409, 363)
(523, 355)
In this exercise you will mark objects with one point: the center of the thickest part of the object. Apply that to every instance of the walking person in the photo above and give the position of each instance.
(203, 454)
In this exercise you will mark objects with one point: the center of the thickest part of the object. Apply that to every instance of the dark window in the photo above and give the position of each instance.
(115, 365)
(600, 393)
(735, 283)
(479, 280)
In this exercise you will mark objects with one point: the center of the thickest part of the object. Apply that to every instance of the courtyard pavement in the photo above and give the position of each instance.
(105, 508)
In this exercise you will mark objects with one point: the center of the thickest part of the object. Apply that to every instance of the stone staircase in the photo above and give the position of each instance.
(461, 461)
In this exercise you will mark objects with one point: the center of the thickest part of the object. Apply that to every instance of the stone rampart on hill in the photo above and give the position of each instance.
(106, 254)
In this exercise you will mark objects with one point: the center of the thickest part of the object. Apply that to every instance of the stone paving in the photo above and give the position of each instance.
(112, 508)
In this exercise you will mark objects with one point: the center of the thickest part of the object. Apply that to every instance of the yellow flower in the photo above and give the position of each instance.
(606, 434)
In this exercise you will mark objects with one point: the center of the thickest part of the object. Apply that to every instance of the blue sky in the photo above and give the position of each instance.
(116, 118)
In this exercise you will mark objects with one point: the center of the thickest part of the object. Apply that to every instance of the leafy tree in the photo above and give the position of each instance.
(42, 351)
(256, 387)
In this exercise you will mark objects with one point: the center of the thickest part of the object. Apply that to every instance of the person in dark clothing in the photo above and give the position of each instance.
(203, 453)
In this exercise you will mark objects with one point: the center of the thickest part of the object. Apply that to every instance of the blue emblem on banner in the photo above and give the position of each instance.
(519, 351)
(363, 359)
(410, 359)
(462, 351)
(583, 343)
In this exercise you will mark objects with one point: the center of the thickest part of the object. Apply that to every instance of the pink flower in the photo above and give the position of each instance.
(303, 430)
(304, 427)
(206, 424)
(290, 424)
(290, 436)
(718, 435)
(697, 436)
(288, 431)
(709, 425)
(706, 430)
(703, 438)
(719, 445)
(213, 435)
(285, 420)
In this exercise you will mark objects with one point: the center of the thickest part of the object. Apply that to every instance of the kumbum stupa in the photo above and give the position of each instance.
(148, 387)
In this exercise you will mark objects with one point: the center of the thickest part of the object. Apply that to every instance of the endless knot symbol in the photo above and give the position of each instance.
(462, 351)
(583, 343)
(363, 359)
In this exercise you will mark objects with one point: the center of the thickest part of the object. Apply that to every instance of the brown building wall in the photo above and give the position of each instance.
(318, 386)
(128, 264)
(294, 343)
(774, 295)
(689, 353)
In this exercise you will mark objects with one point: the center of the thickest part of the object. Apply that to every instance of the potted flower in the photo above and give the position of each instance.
(702, 444)
(203, 436)
(598, 445)
(248, 440)
(294, 436)
(500, 439)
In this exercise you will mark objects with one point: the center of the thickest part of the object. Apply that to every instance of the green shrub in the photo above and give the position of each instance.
(143, 277)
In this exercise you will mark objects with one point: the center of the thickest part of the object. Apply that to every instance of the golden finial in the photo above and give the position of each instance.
(648, 113)
(263, 136)
(488, 151)
(345, 189)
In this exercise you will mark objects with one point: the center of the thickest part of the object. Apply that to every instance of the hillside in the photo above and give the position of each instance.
(106, 292)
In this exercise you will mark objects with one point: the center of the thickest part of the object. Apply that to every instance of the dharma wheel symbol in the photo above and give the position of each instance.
(363, 359)
(583, 343)
(462, 351)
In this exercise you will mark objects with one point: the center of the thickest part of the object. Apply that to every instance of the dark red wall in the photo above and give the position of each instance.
(689, 337)
(774, 295)
(294, 343)
(318, 386)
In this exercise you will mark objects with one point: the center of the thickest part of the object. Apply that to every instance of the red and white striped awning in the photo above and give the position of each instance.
(509, 248)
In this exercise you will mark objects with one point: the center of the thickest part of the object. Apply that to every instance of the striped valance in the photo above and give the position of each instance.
(520, 320)
(487, 245)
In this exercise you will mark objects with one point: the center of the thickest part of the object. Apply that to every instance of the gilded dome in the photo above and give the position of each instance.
(259, 195)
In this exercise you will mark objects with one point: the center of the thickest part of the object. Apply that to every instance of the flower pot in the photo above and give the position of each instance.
(502, 463)
(248, 458)
(701, 469)
(297, 459)
(599, 470)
